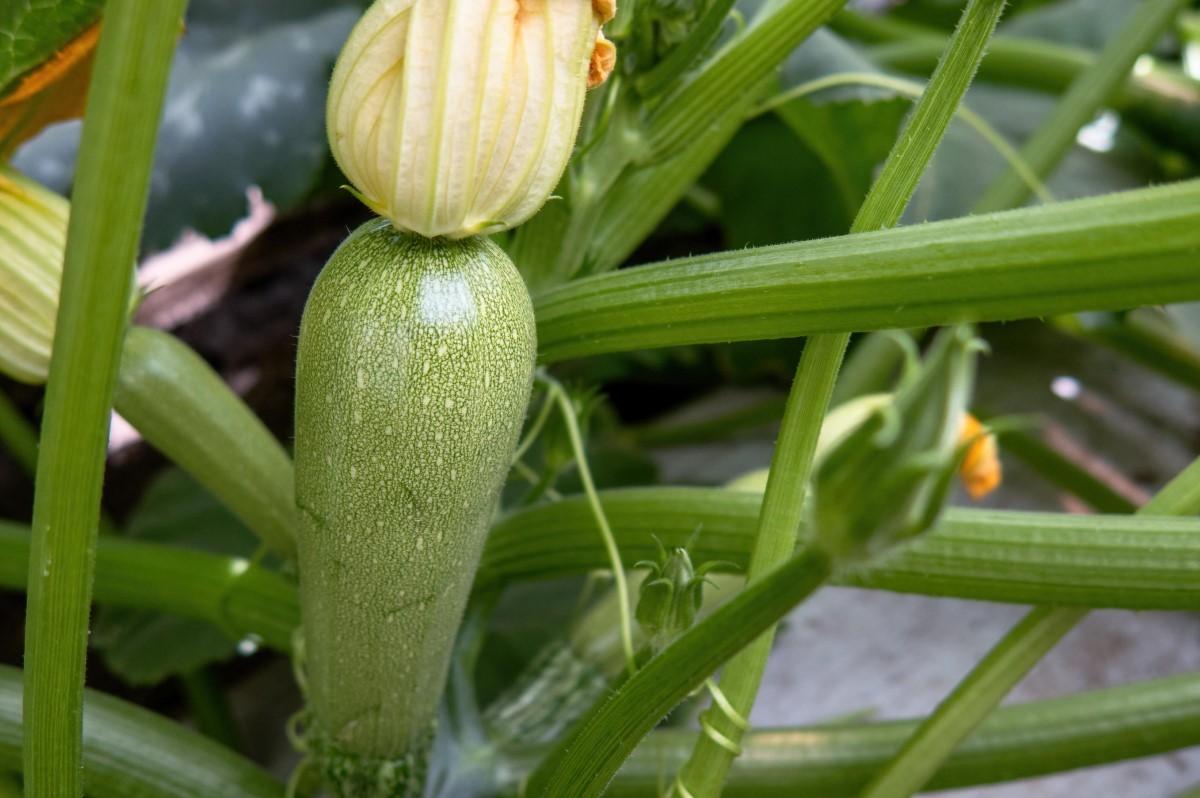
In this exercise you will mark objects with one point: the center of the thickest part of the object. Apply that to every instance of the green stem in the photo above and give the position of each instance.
(129, 752)
(1028, 642)
(1117, 561)
(17, 435)
(1088, 92)
(1140, 563)
(111, 183)
(783, 502)
(241, 599)
(535, 429)
(610, 545)
(186, 410)
(774, 541)
(923, 131)
(1111, 252)
(1006, 664)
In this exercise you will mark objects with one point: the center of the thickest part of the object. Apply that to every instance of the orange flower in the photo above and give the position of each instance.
(980, 470)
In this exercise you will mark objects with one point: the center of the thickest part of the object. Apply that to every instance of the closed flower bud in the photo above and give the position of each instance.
(887, 477)
(456, 117)
(33, 235)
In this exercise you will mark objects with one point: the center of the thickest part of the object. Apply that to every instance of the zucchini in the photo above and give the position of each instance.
(414, 370)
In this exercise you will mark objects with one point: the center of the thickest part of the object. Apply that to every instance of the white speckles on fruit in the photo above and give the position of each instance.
(403, 461)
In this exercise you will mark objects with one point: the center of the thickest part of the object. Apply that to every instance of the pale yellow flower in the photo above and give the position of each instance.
(33, 237)
(456, 117)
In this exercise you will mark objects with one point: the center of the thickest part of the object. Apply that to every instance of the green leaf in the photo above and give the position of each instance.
(250, 97)
(1083, 23)
(247, 92)
(226, 591)
(32, 31)
(753, 182)
(145, 647)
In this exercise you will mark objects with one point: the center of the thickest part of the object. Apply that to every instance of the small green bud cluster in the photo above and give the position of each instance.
(670, 596)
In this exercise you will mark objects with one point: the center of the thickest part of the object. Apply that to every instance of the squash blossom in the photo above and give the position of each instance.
(33, 237)
(456, 117)
(980, 470)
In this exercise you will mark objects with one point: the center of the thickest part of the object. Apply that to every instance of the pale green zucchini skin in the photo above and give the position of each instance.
(414, 370)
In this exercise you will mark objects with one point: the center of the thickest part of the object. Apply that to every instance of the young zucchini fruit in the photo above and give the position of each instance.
(415, 364)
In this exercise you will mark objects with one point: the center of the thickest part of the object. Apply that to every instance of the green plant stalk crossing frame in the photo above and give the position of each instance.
(238, 597)
(1112, 252)
(1054, 137)
(1124, 562)
(112, 180)
(1118, 561)
(1015, 742)
(588, 759)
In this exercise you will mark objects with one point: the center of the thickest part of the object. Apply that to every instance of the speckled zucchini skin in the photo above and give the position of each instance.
(415, 364)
